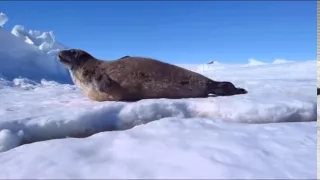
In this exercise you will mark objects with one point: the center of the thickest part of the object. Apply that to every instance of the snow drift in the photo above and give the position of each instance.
(45, 41)
(173, 148)
(30, 55)
(253, 62)
(281, 61)
(3, 19)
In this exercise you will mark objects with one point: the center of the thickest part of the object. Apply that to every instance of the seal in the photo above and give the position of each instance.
(135, 78)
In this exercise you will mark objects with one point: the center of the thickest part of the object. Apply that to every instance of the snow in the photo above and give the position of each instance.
(219, 66)
(8, 140)
(173, 148)
(44, 41)
(50, 129)
(281, 61)
(3, 19)
(26, 54)
(253, 62)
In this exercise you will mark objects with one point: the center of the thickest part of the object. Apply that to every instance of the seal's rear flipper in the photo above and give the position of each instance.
(225, 89)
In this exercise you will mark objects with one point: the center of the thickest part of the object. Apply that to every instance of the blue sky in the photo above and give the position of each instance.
(177, 32)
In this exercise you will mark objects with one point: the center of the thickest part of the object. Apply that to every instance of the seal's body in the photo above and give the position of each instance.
(135, 78)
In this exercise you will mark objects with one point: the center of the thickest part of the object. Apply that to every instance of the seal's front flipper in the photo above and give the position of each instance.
(318, 91)
(225, 89)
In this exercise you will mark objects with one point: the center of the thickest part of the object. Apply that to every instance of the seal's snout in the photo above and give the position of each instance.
(73, 57)
(228, 89)
(60, 55)
(241, 91)
(67, 55)
(65, 58)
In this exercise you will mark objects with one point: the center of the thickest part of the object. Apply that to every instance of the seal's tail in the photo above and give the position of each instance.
(224, 89)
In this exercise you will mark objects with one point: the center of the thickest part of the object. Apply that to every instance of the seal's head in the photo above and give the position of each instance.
(228, 89)
(74, 58)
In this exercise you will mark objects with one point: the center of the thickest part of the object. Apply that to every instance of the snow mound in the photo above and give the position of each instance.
(31, 55)
(253, 62)
(8, 140)
(45, 41)
(281, 61)
(3, 19)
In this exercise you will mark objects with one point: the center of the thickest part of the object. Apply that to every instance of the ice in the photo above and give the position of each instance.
(253, 62)
(50, 129)
(281, 61)
(19, 59)
(20, 56)
(3, 19)
(9, 140)
(44, 41)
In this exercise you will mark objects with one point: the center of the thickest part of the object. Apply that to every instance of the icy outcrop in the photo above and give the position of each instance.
(44, 41)
(3, 19)
(31, 54)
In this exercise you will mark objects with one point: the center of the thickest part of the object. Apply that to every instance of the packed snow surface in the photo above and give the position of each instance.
(45, 122)
(173, 148)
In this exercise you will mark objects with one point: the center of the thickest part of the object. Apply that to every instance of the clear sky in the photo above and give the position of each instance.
(178, 32)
